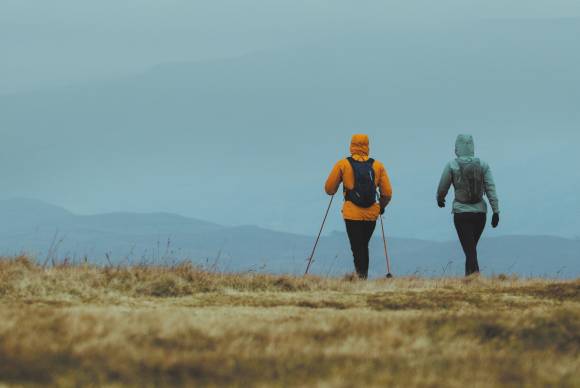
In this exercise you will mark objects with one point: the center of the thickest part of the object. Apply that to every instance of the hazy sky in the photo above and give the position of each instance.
(235, 111)
(58, 41)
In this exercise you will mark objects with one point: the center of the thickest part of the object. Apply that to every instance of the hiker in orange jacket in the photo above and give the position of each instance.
(360, 177)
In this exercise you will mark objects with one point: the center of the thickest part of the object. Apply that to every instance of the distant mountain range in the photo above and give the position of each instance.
(51, 234)
(286, 115)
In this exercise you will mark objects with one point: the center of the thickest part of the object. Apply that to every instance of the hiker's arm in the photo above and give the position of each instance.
(490, 190)
(444, 184)
(334, 180)
(385, 188)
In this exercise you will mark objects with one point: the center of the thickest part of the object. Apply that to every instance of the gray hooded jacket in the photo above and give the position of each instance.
(464, 148)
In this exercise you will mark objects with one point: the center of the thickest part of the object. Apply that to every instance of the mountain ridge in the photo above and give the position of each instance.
(271, 112)
(136, 239)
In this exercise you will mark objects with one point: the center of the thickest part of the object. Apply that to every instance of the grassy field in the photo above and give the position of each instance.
(75, 325)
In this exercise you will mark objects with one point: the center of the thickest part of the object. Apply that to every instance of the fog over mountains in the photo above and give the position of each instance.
(250, 140)
(66, 41)
(54, 234)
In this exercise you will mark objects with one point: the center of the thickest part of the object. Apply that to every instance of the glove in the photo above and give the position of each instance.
(495, 220)
(441, 202)
(383, 202)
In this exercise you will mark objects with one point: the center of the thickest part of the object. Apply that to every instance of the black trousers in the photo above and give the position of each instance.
(359, 235)
(470, 227)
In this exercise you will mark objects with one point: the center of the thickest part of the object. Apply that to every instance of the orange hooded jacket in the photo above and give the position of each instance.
(343, 173)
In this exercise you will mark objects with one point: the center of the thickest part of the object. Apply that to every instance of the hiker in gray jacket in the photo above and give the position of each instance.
(471, 179)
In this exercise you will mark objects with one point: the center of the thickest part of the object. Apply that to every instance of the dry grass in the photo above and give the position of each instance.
(182, 326)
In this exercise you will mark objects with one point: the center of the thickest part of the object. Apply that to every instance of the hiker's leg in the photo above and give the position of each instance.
(466, 236)
(479, 221)
(368, 230)
(479, 226)
(355, 231)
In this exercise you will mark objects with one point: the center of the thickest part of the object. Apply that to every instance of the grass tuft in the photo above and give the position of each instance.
(149, 326)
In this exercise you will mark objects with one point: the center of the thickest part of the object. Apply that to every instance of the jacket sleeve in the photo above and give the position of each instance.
(445, 183)
(385, 188)
(334, 180)
(490, 190)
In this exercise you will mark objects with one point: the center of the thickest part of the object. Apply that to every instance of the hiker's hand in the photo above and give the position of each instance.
(441, 202)
(383, 202)
(495, 220)
(382, 210)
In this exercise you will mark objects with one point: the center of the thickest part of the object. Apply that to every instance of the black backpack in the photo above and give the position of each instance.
(364, 193)
(470, 185)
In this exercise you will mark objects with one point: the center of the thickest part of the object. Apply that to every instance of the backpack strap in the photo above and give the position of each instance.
(351, 162)
(371, 162)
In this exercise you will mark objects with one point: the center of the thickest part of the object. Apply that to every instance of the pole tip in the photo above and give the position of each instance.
(389, 276)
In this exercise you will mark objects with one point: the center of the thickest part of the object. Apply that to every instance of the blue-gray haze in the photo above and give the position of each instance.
(235, 111)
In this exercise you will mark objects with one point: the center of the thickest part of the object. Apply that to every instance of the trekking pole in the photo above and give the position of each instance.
(389, 275)
(318, 238)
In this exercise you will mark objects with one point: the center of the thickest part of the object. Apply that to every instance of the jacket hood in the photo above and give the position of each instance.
(464, 146)
(359, 146)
